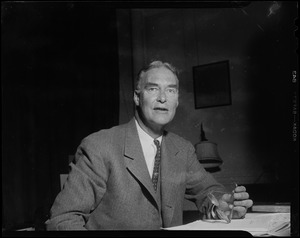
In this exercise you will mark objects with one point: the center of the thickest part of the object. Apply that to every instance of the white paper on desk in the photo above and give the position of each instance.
(256, 224)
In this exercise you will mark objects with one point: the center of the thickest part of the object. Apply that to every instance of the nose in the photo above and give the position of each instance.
(161, 96)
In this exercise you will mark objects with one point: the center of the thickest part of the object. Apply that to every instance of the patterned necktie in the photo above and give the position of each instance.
(156, 165)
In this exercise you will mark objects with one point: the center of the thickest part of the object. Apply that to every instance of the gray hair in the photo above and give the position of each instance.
(153, 65)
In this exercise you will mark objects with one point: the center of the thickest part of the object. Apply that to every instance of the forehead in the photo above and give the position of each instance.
(160, 75)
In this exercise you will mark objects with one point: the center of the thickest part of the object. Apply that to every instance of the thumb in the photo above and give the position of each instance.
(225, 203)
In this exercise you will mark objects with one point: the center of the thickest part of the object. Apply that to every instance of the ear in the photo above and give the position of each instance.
(136, 98)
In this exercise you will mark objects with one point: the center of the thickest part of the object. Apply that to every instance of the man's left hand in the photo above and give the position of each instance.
(241, 202)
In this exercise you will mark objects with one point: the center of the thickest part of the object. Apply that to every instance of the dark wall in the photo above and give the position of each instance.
(59, 75)
(254, 133)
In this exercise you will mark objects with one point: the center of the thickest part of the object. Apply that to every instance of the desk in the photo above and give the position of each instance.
(257, 224)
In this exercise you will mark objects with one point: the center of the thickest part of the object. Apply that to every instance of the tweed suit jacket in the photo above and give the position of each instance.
(109, 186)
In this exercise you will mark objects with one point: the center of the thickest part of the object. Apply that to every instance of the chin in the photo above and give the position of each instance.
(162, 121)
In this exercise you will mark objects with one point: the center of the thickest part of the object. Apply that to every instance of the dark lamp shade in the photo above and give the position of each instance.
(207, 154)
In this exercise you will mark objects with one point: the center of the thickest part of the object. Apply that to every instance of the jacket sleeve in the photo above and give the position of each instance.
(199, 183)
(84, 188)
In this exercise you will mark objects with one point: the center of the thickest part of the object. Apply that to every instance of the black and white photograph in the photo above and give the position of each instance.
(144, 119)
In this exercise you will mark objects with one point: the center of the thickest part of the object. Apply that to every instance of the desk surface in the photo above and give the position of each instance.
(257, 224)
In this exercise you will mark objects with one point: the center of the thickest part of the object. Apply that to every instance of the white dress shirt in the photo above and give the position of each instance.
(148, 146)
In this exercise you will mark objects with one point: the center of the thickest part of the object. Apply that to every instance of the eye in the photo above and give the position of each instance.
(172, 90)
(152, 89)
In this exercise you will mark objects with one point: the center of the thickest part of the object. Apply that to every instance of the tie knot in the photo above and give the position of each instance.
(156, 142)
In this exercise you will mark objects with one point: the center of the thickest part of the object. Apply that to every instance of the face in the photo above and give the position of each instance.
(158, 97)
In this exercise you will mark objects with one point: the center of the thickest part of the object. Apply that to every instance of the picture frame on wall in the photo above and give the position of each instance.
(212, 86)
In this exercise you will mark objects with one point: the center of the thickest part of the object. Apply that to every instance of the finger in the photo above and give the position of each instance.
(227, 197)
(244, 203)
(223, 205)
(239, 212)
(240, 189)
(227, 213)
(241, 195)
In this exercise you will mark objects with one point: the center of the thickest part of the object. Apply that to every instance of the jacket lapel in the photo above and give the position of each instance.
(170, 177)
(134, 158)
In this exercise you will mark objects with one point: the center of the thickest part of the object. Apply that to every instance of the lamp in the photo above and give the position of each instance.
(207, 153)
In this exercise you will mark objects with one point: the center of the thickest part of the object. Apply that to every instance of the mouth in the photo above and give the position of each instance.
(160, 109)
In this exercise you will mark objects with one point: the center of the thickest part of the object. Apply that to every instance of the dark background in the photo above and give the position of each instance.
(59, 83)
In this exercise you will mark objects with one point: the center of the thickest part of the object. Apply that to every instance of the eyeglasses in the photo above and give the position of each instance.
(214, 200)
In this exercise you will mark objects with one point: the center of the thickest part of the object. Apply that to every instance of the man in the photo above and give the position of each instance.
(110, 185)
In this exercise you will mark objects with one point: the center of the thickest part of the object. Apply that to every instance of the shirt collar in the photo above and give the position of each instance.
(144, 136)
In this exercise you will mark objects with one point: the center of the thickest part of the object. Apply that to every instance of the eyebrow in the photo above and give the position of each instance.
(155, 84)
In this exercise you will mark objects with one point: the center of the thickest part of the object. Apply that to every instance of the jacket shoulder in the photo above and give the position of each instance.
(179, 140)
(105, 137)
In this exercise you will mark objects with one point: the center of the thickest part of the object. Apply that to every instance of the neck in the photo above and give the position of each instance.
(153, 130)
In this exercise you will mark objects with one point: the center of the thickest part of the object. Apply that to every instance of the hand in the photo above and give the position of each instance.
(238, 200)
(241, 202)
